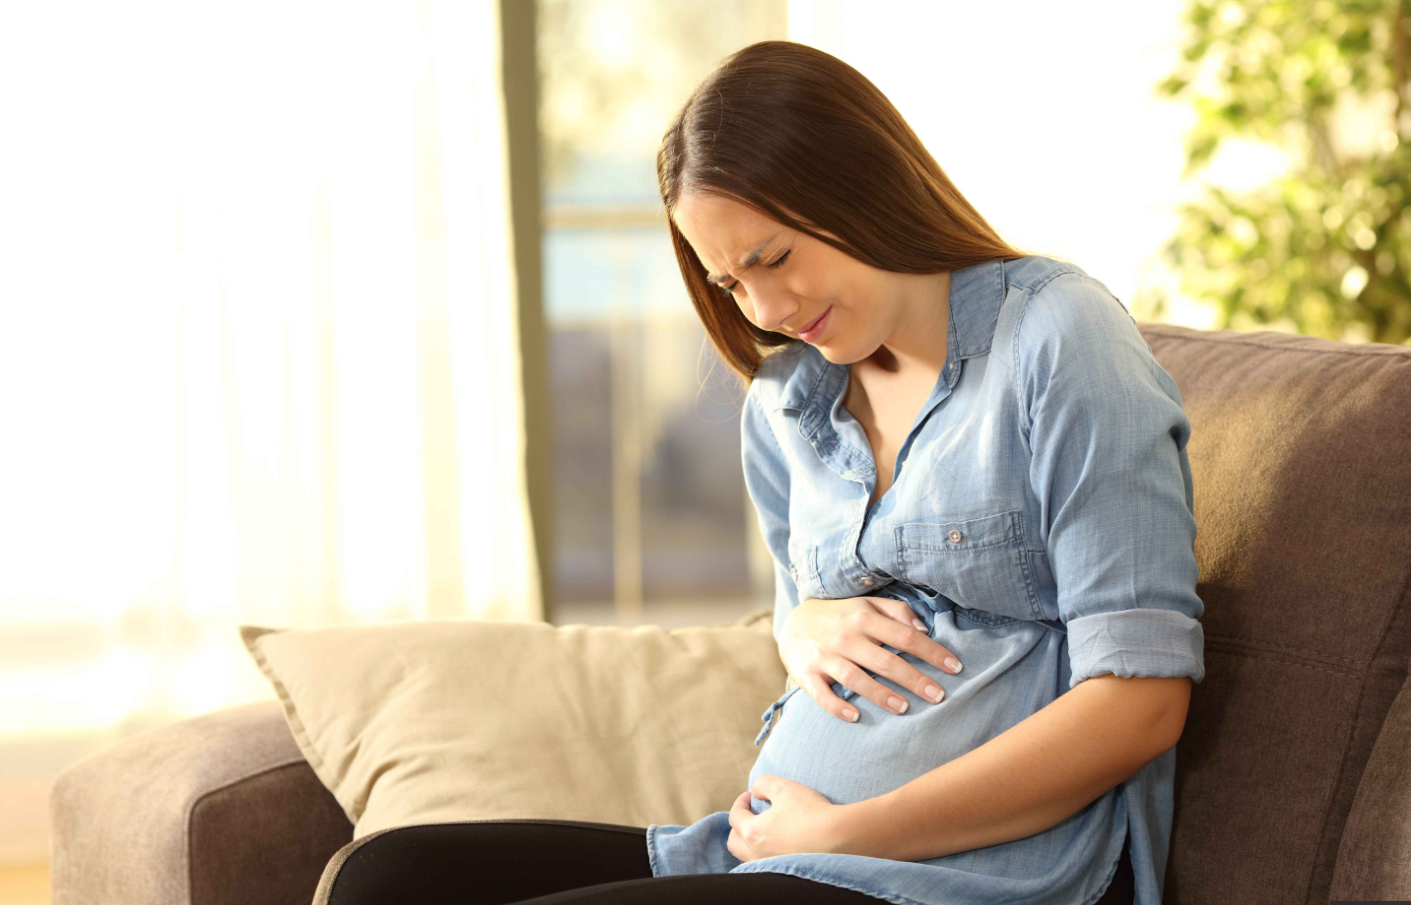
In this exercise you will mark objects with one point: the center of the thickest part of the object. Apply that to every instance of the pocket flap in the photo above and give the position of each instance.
(959, 536)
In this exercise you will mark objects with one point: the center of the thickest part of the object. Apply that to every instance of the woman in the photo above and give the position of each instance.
(955, 451)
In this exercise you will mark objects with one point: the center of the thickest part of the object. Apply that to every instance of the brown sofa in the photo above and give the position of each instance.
(1293, 780)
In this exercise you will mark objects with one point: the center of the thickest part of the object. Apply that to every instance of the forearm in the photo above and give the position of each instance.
(1027, 779)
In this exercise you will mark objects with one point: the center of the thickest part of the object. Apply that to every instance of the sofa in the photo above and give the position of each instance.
(1293, 775)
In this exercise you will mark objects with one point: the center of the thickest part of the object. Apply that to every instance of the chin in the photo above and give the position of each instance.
(841, 355)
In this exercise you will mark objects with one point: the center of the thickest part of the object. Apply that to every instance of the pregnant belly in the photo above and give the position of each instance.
(1011, 671)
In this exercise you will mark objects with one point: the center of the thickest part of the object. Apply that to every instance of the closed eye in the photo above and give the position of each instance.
(771, 266)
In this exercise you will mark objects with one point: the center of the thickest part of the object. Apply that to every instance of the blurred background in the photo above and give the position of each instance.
(317, 313)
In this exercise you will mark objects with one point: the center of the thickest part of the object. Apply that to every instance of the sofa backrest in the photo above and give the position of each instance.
(1300, 453)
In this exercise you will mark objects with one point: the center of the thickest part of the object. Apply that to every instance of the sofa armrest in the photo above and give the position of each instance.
(1374, 857)
(221, 808)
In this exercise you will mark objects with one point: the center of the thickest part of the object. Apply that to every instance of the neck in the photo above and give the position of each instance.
(919, 341)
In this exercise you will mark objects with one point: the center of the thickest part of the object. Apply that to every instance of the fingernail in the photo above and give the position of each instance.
(952, 664)
(897, 704)
(919, 624)
(850, 715)
(934, 693)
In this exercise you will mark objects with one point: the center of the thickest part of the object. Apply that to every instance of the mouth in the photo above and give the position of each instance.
(814, 329)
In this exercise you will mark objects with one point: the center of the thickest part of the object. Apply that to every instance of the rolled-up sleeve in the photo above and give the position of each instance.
(1109, 467)
(767, 480)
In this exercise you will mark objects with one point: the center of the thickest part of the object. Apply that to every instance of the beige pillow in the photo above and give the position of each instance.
(453, 719)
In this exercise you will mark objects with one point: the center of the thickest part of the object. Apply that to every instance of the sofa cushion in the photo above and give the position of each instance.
(461, 719)
(1302, 477)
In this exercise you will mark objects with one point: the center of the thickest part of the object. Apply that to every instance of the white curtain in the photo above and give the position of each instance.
(258, 344)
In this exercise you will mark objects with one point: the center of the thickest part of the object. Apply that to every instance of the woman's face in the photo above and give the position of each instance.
(785, 281)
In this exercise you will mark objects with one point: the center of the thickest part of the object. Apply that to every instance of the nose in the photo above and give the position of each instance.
(772, 307)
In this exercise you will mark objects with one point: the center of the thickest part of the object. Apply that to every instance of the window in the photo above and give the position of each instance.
(651, 518)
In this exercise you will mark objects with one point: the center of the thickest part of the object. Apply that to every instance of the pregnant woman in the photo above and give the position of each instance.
(972, 476)
(955, 451)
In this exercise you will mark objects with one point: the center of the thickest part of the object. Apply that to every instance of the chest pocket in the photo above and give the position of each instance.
(980, 564)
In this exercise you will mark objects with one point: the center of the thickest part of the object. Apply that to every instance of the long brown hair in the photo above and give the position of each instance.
(783, 125)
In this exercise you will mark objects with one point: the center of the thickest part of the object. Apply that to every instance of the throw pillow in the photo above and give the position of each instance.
(461, 719)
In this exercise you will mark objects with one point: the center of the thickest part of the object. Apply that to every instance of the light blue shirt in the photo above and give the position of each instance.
(1040, 522)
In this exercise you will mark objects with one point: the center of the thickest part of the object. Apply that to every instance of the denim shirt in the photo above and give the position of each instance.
(1040, 523)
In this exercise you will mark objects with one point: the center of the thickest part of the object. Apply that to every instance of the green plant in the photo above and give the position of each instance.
(1325, 247)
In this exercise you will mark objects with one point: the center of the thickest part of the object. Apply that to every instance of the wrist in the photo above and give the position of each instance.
(856, 828)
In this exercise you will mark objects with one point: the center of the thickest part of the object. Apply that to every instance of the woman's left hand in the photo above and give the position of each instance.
(798, 819)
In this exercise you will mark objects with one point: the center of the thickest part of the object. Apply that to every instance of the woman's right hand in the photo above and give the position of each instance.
(828, 641)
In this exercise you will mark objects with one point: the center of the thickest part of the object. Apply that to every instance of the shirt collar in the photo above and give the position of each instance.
(976, 294)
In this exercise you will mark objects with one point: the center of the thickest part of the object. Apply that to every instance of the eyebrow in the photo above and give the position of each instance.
(750, 260)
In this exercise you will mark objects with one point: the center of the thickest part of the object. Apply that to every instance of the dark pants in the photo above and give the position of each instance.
(546, 862)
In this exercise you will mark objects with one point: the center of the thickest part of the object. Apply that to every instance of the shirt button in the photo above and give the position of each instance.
(955, 537)
(793, 573)
(867, 581)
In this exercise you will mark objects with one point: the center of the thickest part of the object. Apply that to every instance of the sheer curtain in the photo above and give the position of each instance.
(258, 345)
